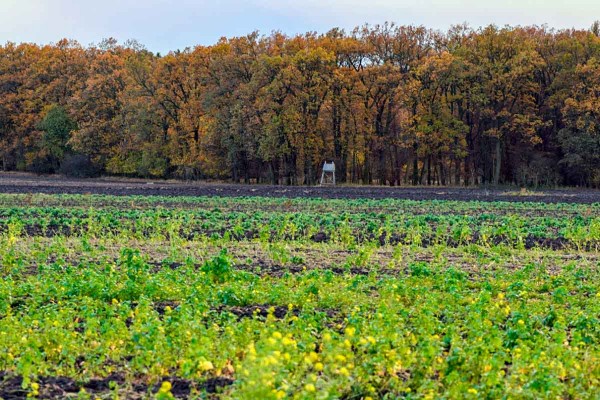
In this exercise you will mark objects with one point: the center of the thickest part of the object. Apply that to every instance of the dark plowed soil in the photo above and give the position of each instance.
(259, 310)
(279, 312)
(26, 183)
(60, 387)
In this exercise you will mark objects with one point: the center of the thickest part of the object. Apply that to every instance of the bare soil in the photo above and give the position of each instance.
(29, 183)
(59, 387)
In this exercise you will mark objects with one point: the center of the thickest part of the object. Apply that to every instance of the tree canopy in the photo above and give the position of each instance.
(389, 104)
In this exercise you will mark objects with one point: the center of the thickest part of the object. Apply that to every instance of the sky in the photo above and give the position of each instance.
(163, 25)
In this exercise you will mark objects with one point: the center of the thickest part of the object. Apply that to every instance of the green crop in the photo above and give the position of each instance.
(135, 297)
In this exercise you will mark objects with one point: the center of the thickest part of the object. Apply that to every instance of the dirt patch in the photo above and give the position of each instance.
(259, 310)
(320, 237)
(26, 183)
(103, 384)
(161, 306)
(10, 387)
(213, 385)
(60, 387)
(279, 312)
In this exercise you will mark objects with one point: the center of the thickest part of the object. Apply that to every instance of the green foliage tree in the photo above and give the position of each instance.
(57, 127)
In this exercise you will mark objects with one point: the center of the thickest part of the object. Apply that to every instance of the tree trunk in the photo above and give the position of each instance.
(498, 162)
(429, 171)
(415, 179)
(457, 172)
(442, 174)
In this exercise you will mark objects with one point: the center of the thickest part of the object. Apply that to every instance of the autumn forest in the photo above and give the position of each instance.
(391, 105)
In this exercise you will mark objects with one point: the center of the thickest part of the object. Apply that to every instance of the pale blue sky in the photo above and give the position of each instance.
(164, 25)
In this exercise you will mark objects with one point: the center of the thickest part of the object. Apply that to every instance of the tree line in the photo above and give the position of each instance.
(390, 104)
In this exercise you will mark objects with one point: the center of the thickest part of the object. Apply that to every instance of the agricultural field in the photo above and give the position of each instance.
(272, 298)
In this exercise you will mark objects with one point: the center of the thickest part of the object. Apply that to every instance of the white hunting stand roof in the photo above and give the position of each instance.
(328, 174)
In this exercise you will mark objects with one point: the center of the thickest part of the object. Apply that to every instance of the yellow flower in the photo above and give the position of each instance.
(35, 386)
(206, 365)
(309, 387)
(270, 361)
(340, 358)
(319, 366)
(344, 371)
(350, 331)
(472, 391)
(277, 335)
(165, 387)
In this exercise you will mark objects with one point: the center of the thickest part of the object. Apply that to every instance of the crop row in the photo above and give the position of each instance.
(346, 228)
(312, 205)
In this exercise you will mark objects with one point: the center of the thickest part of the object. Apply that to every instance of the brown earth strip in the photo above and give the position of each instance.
(26, 183)
(59, 387)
